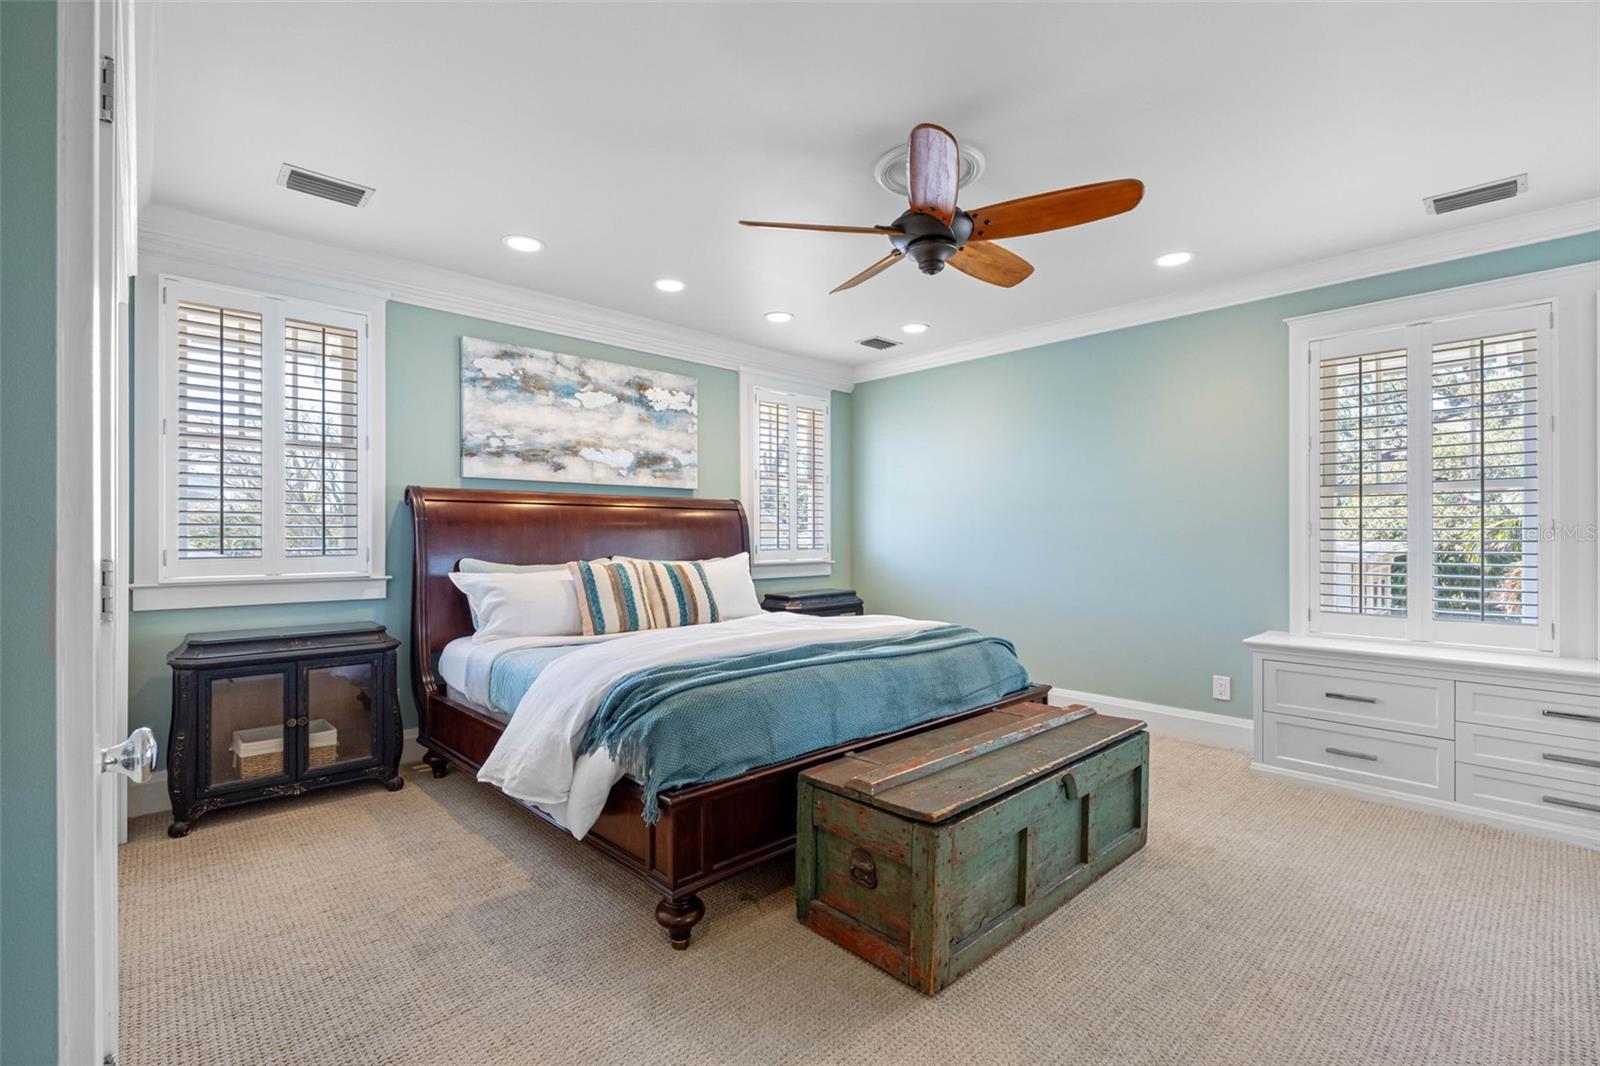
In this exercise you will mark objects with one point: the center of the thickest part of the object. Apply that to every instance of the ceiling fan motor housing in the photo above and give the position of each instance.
(928, 240)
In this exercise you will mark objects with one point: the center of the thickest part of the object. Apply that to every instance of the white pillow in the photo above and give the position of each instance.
(484, 566)
(540, 603)
(731, 585)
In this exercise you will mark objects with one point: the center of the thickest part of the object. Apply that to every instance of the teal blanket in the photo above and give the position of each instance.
(688, 723)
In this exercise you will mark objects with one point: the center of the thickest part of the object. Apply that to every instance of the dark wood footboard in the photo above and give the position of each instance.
(705, 834)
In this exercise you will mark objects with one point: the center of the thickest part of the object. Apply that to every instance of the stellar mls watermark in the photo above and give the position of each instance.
(1576, 534)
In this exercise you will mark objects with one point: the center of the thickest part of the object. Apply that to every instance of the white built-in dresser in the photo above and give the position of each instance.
(1500, 738)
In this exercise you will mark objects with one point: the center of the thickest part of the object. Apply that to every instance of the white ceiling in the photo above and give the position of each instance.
(631, 138)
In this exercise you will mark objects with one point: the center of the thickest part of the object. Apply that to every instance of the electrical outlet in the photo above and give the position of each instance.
(1221, 687)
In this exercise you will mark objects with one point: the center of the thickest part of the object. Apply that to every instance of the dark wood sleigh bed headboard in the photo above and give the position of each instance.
(449, 525)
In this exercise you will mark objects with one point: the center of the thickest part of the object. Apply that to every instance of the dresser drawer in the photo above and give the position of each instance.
(1543, 754)
(1423, 705)
(1530, 796)
(1543, 711)
(1402, 762)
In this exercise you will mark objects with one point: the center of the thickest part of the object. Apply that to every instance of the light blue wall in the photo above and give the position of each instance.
(27, 532)
(1115, 504)
(423, 448)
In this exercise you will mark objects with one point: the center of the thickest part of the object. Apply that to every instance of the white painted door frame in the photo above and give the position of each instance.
(95, 205)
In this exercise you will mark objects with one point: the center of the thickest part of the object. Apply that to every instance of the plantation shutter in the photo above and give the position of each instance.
(811, 478)
(1449, 547)
(772, 475)
(1485, 498)
(219, 478)
(1362, 556)
(321, 430)
(790, 476)
(265, 463)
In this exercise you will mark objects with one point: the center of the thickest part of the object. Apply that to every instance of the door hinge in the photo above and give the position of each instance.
(108, 590)
(108, 89)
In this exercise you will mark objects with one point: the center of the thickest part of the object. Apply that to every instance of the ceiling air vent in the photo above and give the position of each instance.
(1487, 193)
(313, 184)
(879, 343)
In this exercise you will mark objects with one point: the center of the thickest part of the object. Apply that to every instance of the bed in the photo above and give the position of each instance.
(702, 833)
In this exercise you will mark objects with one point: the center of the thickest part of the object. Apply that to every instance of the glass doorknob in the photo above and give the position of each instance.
(135, 756)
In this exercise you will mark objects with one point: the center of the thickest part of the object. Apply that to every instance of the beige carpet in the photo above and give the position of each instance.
(1264, 923)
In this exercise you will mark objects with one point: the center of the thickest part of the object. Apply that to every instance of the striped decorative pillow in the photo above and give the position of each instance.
(611, 596)
(679, 594)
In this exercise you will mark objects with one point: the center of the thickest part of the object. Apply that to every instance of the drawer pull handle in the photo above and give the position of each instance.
(1557, 801)
(863, 870)
(1351, 754)
(1574, 715)
(1575, 760)
(1349, 698)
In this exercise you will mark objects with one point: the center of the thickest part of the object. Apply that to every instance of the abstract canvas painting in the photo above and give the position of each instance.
(533, 415)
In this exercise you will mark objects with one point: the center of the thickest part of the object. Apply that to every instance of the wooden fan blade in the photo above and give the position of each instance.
(872, 271)
(820, 229)
(933, 171)
(991, 263)
(1055, 210)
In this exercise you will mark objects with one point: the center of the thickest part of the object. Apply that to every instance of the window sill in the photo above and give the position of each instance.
(761, 571)
(1411, 654)
(179, 596)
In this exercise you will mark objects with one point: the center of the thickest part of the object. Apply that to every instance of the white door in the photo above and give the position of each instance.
(95, 226)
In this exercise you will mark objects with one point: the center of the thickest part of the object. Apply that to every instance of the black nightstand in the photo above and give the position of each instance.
(815, 601)
(263, 713)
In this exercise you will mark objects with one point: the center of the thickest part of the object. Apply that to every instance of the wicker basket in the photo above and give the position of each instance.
(259, 752)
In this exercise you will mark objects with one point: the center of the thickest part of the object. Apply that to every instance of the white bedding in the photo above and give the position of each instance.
(466, 662)
(535, 759)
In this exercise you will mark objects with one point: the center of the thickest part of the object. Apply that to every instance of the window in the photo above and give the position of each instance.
(786, 477)
(264, 420)
(1363, 489)
(1428, 489)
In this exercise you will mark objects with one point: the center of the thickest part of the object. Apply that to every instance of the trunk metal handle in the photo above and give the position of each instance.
(1350, 699)
(1351, 754)
(1557, 801)
(1574, 715)
(1575, 760)
(863, 870)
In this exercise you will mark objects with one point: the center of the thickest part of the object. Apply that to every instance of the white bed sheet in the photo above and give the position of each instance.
(466, 662)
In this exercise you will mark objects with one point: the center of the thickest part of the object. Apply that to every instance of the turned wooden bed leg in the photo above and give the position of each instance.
(678, 918)
(438, 763)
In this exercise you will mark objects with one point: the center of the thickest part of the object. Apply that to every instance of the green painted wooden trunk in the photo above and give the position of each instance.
(927, 855)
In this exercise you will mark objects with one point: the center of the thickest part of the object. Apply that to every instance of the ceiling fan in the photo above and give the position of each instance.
(935, 232)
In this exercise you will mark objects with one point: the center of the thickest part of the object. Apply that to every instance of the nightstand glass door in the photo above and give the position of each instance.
(338, 713)
(243, 722)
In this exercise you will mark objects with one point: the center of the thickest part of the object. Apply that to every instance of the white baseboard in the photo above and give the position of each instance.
(150, 797)
(1448, 808)
(1202, 727)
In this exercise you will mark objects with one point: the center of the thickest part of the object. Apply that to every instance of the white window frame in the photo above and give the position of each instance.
(788, 563)
(1567, 592)
(160, 580)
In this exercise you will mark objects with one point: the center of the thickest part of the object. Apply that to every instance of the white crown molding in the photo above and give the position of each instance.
(171, 232)
(1580, 217)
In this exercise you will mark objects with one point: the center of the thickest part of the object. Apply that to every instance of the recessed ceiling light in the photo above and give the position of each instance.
(914, 327)
(778, 317)
(519, 243)
(669, 285)
(1174, 259)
